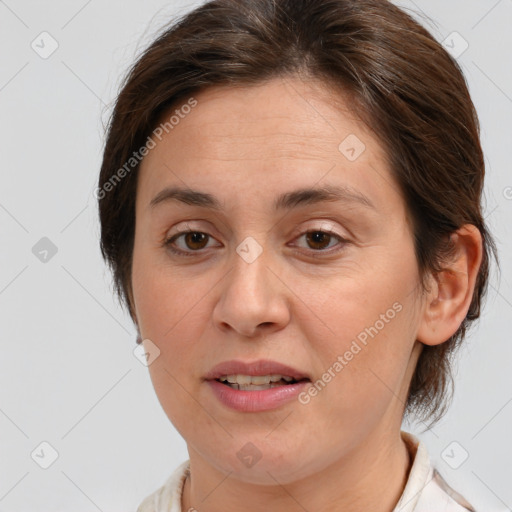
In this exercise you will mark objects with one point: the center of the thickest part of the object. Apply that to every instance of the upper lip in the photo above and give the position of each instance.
(259, 367)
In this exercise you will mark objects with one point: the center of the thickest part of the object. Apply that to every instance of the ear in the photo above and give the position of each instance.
(451, 291)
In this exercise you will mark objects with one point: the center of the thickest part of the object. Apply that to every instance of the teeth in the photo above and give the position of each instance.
(255, 380)
(252, 387)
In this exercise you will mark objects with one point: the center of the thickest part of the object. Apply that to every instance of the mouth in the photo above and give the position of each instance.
(262, 372)
(258, 382)
(257, 386)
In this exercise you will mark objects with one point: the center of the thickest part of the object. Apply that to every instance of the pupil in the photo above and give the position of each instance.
(196, 237)
(318, 237)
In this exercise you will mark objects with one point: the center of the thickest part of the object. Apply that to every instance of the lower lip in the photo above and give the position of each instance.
(255, 401)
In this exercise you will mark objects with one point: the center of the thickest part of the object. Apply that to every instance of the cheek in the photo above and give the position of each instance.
(165, 300)
(368, 321)
(171, 321)
(354, 305)
(169, 310)
(174, 317)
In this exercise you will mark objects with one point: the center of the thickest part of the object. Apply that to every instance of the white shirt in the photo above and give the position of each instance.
(425, 490)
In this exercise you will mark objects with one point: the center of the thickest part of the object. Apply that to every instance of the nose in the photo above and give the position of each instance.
(253, 300)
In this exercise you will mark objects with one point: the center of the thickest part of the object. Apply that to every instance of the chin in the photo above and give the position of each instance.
(262, 465)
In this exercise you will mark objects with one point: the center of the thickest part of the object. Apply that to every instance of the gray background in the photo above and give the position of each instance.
(69, 375)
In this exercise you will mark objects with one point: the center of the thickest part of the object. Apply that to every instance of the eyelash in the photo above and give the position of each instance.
(178, 252)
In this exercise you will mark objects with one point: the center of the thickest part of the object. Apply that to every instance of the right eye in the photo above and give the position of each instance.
(193, 240)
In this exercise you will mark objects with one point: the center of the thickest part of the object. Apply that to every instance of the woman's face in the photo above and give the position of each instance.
(324, 284)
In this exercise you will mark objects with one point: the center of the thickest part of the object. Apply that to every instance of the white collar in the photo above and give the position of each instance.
(426, 489)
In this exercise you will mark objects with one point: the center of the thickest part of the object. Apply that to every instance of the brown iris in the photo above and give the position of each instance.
(318, 237)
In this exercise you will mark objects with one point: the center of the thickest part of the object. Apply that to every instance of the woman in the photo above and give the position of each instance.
(290, 204)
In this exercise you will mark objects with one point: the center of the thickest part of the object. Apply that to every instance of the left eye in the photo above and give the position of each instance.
(317, 240)
(320, 240)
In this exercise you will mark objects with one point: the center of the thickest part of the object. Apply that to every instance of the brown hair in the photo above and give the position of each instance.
(407, 89)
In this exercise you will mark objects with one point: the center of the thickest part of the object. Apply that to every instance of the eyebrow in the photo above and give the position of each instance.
(286, 201)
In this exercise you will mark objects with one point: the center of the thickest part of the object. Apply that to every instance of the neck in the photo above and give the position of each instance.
(371, 477)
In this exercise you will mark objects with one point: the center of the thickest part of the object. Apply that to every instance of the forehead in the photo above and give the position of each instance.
(284, 109)
(285, 129)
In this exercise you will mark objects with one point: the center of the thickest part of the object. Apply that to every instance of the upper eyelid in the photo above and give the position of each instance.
(326, 225)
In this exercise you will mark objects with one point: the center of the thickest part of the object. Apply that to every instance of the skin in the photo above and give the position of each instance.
(294, 304)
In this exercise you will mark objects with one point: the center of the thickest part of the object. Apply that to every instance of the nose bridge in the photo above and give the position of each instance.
(251, 294)
(250, 273)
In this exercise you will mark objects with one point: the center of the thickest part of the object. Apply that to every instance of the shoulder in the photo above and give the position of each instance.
(426, 490)
(440, 495)
(167, 498)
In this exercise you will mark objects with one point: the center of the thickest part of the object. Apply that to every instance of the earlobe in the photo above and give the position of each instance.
(451, 292)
